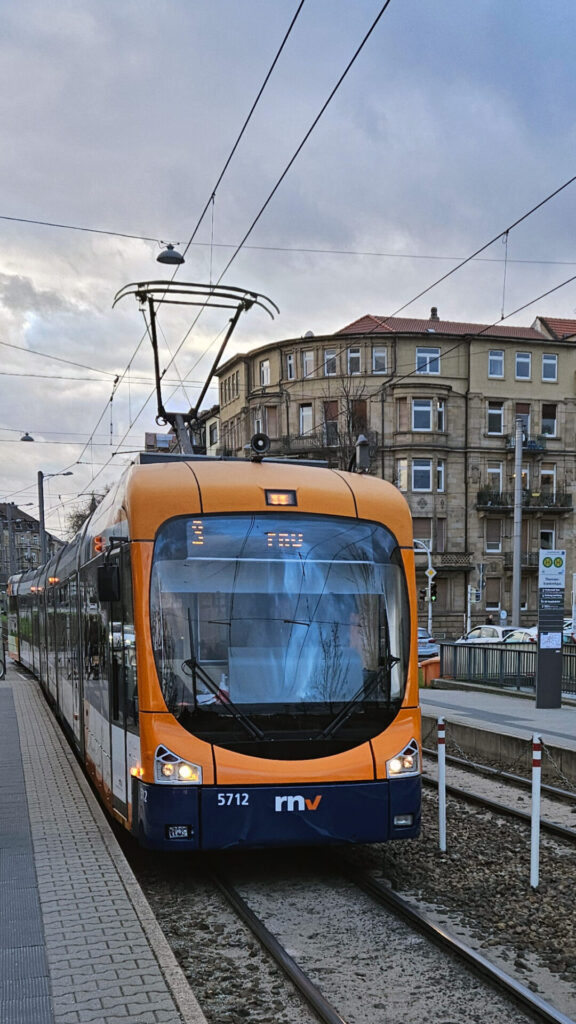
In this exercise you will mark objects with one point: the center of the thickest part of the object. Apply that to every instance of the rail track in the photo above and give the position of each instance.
(547, 825)
(324, 1009)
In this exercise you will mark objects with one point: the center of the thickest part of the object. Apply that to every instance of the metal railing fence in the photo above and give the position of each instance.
(506, 665)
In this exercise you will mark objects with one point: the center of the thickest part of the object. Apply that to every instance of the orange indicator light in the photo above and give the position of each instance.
(281, 498)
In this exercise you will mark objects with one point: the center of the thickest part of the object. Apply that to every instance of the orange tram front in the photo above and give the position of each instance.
(231, 648)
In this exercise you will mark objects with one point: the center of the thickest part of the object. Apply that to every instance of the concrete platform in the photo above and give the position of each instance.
(78, 940)
(499, 726)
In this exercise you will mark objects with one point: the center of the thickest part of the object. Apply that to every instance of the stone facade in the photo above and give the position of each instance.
(438, 402)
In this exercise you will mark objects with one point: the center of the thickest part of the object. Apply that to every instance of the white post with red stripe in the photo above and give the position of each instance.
(535, 826)
(442, 785)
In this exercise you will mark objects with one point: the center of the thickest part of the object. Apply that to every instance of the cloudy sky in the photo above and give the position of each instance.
(119, 115)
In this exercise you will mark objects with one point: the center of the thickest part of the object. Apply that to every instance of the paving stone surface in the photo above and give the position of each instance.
(78, 942)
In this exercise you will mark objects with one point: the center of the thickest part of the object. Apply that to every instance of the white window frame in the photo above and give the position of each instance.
(308, 362)
(422, 466)
(264, 373)
(428, 360)
(494, 471)
(555, 432)
(290, 367)
(491, 409)
(379, 355)
(422, 407)
(304, 411)
(402, 474)
(330, 367)
(354, 360)
(550, 360)
(550, 473)
(552, 533)
(523, 361)
(440, 475)
(495, 357)
(496, 546)
(441, 415)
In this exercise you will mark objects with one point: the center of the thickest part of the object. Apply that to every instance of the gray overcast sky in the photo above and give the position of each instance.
(119, 114)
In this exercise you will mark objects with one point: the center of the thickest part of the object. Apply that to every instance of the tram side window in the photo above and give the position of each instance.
(124, 693)
(93, 643)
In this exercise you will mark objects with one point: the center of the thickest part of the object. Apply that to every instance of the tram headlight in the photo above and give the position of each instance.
(407, 762)
(171, 769)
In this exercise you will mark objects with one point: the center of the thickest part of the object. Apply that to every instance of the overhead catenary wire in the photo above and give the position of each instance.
(213, 191)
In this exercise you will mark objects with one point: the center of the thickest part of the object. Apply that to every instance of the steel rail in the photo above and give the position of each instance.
(520, 780)
(540, 1008)
(562, 831)
(313, 996)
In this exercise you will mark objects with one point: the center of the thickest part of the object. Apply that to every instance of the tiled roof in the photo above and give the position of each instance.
(404, 325)
(558, 328)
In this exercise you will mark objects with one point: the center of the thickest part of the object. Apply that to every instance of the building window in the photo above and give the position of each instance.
(330, 362)
(548, 479)
(440, 545)
(353, 360)
(290, 367)
(271, 420)
(402, 413)
(421, 474)
(549, 419)
(213, 434)
(265, 372)
(492, 593)
(428, 360)
(258, 421)
(422, 528)
(495, 363)
(402, 474)
(547, 535)
(308, 363)
(379, 360)
(440, 418)
(421, 414)
(305, 419)
(494, 477)
(440, 474)
(493, 540)
(495, 417)
(549, 366)
(523, 365)
(331, 437)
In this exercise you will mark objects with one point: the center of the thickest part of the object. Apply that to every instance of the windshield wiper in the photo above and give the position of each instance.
(197, 670)
(367, 688)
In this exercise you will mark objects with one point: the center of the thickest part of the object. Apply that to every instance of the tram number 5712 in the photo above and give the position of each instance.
(226, 799)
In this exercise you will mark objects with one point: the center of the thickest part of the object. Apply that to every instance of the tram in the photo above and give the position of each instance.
(231, 647)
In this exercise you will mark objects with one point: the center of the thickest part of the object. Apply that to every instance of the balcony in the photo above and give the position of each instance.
(528, 560)
(532, 501)
(323, 442)
(448, 561)
(532, 444)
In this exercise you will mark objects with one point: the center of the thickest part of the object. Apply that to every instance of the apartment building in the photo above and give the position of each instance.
(438, 402)
(20, 547)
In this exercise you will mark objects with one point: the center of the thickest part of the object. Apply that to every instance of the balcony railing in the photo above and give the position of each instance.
(315, 440)
(559, 501)
(528, 559)
(530, 443)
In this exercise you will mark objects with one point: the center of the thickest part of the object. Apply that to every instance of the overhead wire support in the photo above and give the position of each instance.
(180, 293)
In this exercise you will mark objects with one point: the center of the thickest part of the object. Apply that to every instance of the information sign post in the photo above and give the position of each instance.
(551, 584)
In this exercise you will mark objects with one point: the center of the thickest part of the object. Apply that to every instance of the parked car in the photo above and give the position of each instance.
(486, 635)
(523, 636)
(427, 646)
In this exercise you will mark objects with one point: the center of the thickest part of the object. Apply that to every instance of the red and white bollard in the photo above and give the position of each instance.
(442, 785)
(535, 822)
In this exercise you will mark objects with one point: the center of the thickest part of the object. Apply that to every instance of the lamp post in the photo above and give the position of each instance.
(43, 540)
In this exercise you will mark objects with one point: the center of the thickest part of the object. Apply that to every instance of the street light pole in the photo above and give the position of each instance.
(43, 536)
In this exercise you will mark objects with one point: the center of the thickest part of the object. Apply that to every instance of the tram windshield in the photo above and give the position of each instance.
(263, 613)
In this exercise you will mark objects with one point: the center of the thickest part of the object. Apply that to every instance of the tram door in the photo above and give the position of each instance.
(122, 680)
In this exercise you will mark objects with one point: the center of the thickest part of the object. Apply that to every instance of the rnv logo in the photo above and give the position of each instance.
(296, 803)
